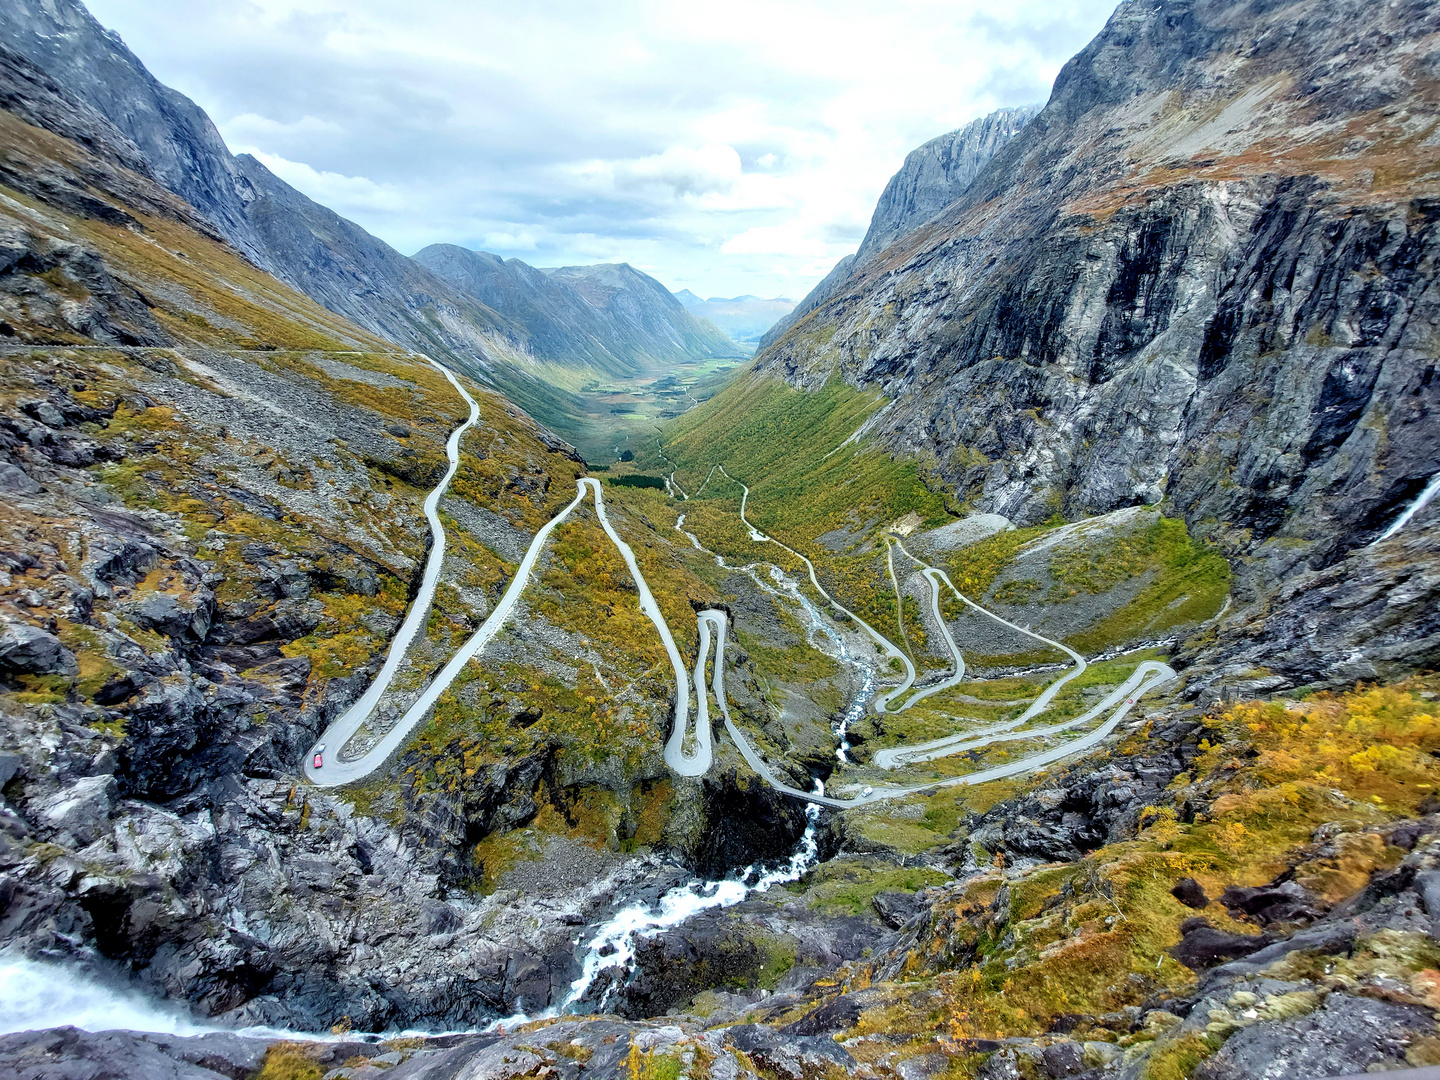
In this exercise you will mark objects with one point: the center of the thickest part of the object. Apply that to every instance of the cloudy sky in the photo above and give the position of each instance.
(727, 148)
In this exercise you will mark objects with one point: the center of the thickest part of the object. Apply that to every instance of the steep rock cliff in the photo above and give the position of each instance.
(1204, 273)
(937, 173)
(934, 176)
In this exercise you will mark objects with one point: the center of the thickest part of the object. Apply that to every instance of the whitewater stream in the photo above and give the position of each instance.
(613, 944)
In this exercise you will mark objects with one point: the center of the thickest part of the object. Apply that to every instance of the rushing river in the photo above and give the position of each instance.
(612, 944)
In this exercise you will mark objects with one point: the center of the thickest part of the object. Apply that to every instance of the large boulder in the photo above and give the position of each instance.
(1347, 1035)
(82, 809)
(185, 617)
(794, 1057)
(29, 650)
(16, 480)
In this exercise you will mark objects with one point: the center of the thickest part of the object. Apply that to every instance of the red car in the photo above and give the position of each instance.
(319, 755)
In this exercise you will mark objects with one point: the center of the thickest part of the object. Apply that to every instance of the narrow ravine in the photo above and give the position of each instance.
(612, 944)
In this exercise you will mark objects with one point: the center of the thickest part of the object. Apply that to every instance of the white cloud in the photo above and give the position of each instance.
(252, 128)
(683, 170)
(796, 240)
(345, 195)
(734, 148)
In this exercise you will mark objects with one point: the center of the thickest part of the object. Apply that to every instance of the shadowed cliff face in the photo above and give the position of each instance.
(1203, 274)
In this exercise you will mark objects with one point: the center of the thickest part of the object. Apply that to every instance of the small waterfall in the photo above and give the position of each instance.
(819, 628)
(35, 996)
(613, 943)
(1410, 511)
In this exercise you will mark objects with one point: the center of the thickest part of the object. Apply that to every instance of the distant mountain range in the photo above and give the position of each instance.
(744, 318)
(492, 318)
(610, 316)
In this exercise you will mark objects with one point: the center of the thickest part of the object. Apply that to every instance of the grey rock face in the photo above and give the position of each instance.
(796, 1057)
(1127, 306)
(934, 176)
(186, 617)
(175, 137)
(1346, 1035)
(71, 1054)
(725, 949)
(16, 480)
(82, 809)
(113, 312)
(937, 173)
(29, 650)
(1374, 615)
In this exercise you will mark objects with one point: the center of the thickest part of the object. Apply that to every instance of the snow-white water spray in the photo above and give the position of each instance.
(1414, 508)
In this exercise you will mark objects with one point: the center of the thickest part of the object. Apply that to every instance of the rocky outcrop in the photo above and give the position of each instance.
(27, 649)
(69, 1054)
(1085, 806)
(757, 944)
(590, 1049)
(1370, 617)
(1136, 301)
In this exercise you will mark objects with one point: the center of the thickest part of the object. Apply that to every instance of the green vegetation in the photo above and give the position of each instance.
(1018, 591)
(974, 568)
(780, 442)
(653, 1064)
(1184, 582)
(292, 1061)
(637, 480)
(1091, 937)
(1188, 583)
(779, 959)
(847, 887)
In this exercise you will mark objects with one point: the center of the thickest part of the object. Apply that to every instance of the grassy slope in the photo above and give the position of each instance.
(208, 298)
(779, 441)
(1090, 937)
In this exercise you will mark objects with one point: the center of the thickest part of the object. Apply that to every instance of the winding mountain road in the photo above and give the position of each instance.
(954, 744)
(885, 645)
(338, 770)
(359, 712)
(689, 751)
(1145, 678)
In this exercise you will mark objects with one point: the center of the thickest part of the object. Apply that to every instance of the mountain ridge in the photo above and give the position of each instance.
(745, 318)
(933, 176)
(562, 321)
(307, 245)
(1081, 329)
